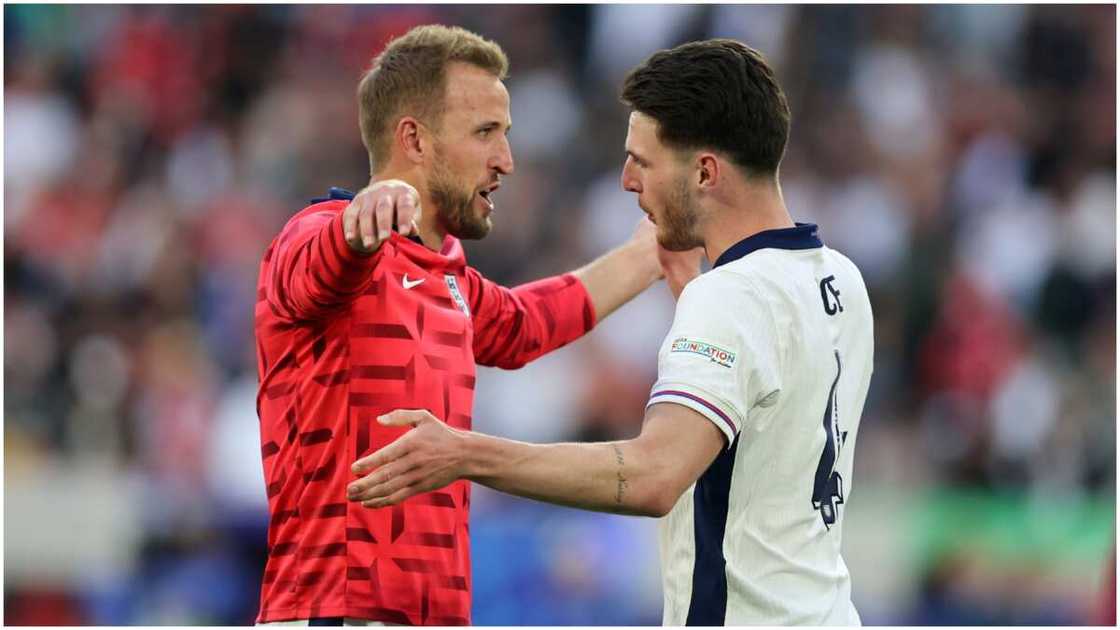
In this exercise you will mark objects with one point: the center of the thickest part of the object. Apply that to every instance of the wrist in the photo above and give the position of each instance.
(683, 275)
(644, 261)
(471, 455)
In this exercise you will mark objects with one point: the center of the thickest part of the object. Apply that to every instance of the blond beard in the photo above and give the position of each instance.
(455, 205)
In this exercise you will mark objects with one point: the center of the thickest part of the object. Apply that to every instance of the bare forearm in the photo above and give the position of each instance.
(617, 276)
(604, 476)
(643, 476)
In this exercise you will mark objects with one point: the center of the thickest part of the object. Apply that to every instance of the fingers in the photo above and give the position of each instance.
(366, 228)
(392, 499)
(382, 456)
(396, 450)
(384, 217)
(393, 469)
(378, 482)
(402, 417)
(397, 489)
(385, 489)
(407, 215)
(350, 225)
(368, 220)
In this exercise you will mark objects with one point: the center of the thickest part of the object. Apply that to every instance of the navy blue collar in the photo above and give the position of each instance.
(804, 236)
(333, 194)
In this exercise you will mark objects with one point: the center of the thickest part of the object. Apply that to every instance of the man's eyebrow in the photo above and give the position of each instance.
(635, 156)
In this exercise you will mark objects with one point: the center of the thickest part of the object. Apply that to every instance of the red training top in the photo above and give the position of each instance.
(343, 338)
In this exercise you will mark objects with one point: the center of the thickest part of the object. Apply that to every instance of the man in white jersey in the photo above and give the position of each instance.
(747, 443)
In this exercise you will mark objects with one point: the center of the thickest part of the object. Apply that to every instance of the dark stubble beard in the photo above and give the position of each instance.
(678, 227)
(455, 205)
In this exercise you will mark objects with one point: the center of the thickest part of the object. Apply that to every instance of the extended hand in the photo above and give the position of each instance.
(426, 458)
(368, 220)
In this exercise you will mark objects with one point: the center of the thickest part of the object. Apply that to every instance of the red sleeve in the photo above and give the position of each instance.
(312, 271)
(514, 326)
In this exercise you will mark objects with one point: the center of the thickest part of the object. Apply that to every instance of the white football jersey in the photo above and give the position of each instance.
(774, 346)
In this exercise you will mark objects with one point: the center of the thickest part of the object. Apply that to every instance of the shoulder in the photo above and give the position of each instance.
(725, 286)
(854, 271)
(707, 286)
(314, 214)
(323, 208)
(723, 299)
(851, 273)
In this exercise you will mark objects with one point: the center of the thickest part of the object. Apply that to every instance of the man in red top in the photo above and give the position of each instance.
(354, 320)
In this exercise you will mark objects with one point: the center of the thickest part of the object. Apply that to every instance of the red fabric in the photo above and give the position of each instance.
(1105, 614)
(974, 344)
(340, 340)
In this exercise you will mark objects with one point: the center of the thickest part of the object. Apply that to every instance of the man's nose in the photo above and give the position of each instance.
(629, 182)
(503, 159)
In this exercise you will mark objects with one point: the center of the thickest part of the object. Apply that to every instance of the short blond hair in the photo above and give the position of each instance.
(409, 78)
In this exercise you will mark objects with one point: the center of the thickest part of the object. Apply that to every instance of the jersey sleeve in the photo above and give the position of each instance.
(721, 355)
(514, 326)
(311, 270)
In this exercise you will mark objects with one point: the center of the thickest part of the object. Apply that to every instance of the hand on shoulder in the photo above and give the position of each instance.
(369, 219)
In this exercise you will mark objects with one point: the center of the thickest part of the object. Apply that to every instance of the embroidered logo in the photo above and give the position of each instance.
(715, 354)
(456, 295)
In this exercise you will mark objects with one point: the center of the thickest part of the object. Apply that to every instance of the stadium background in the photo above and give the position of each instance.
(963, 156)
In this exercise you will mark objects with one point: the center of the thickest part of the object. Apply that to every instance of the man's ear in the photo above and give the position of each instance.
(708, 171)
(411, 138)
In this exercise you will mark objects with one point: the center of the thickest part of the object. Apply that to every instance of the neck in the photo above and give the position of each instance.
(746, 210)
(431, 231)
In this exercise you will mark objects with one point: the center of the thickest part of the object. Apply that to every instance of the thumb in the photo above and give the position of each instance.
(403, 417)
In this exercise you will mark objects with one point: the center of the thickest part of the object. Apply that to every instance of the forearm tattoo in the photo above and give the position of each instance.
(621, 478)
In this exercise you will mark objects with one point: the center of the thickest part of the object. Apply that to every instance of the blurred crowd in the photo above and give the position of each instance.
(963, 156)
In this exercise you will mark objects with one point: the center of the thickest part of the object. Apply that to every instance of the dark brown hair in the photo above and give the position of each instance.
(717, 94)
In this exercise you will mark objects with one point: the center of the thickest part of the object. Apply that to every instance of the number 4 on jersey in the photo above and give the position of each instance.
(828, 486)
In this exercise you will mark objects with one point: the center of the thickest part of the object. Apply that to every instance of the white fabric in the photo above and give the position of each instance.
(753, 349)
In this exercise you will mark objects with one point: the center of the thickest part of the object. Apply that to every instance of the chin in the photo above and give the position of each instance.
(473, 230)
(677, 242)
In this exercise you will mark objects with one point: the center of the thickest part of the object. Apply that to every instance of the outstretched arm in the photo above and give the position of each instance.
(643, 476)
(515, 326)
(323, 260)
(616, 277)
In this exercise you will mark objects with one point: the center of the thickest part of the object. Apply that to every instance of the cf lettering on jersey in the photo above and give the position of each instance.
(830, 295)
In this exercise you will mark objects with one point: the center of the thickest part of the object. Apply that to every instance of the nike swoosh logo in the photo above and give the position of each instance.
(409, 284)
